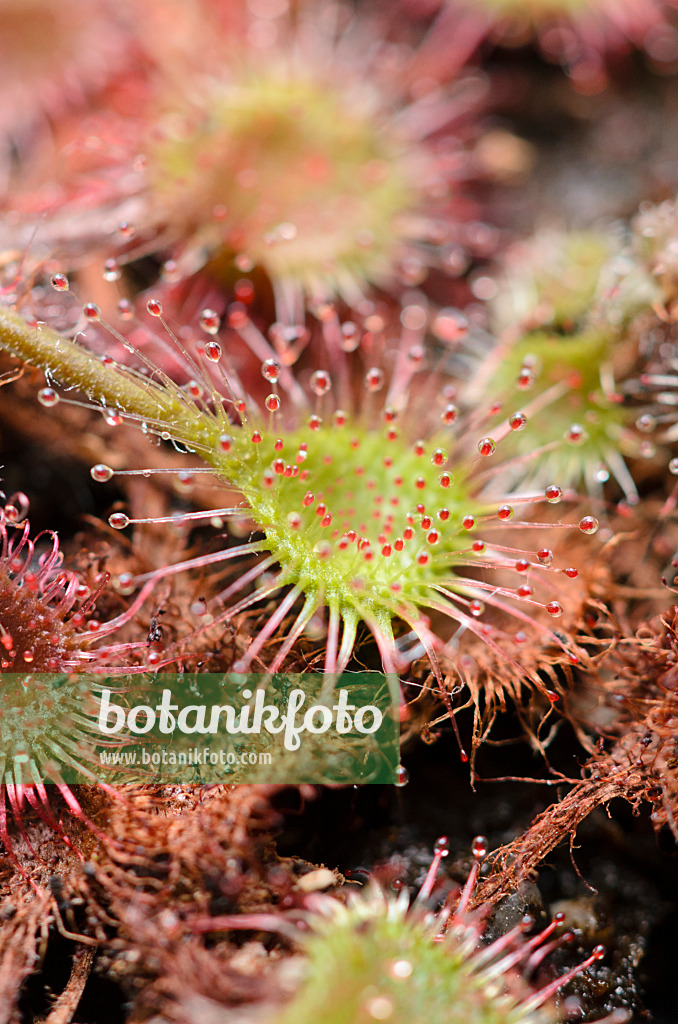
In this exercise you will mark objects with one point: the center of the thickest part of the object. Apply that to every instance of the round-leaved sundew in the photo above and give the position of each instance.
(370, 502)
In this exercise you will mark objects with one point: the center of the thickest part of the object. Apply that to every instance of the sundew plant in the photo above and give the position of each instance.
(561, 316)
(384, 957)
(338, 338)
(305, 144)
(54, 652)
(371, 496)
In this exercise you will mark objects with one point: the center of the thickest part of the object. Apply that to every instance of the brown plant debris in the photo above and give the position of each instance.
(640, 677)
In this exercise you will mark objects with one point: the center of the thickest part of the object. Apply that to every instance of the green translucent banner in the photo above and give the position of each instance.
(186, 728)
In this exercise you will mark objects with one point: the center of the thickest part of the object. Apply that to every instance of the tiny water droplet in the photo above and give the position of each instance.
(374, 379)
(349, 336)
(60, 282)
(270, 371)
(589, 525)
(124, 583)
(112, 271)
(401, 969)
(210, 321)
(48, 397)
(479, 847)
(91, 312)
(320, 382)
(379, 1007)
(101, 473)
(646, 423)
(442, 846)
(576, 434)
(118, 520)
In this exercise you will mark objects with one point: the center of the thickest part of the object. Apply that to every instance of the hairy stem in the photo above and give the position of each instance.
(74, 366)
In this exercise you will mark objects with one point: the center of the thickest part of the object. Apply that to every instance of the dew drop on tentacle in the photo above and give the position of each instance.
(374, 379)
(518, 421)
(60, 282)
(479, 848)
(349, 338)
(526, 379)
(210, 321)
(442, 846)
(589, 525)
(270, 371)
(118, 520)
(646, 423)
(576, 434)
(91, 312)
(111, 271)
(48, 397)
(101, 473)
(213, 351)
(320, 383)
(553, 493)
(124, 584)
